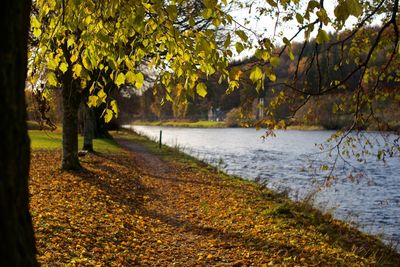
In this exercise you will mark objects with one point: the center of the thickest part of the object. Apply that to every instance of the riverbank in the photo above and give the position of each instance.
(185, 124)
(216, 124)
(140, 205)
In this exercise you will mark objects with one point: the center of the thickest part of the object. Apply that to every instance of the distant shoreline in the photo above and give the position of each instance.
(217, 124)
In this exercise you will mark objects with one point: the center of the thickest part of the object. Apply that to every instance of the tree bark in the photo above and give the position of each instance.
(89, 126)
(17, 244)
(71, 97)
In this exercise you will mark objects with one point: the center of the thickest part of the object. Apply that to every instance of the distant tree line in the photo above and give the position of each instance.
(326, 109)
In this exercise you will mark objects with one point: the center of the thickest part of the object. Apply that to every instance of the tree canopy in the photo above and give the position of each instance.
(98, 43)
(101, 40)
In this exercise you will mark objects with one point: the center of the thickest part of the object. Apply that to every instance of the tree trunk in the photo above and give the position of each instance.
(71, 96)
(89, 126)
(17, 244)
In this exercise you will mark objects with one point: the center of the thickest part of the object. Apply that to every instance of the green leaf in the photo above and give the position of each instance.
(262, 54)
(210, 3)
(312, 4)
(354, 7)
(341, 12)
(172, 12)
(272, 3)
(286, 41)
(299, 18)
(207, 13)
(216, 22)
(201, 89)
(227, 41)
(239, 47)
(256, 74)
(322, 37)
(242, 35)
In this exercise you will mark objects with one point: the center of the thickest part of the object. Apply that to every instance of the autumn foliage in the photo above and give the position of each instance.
(135, 208)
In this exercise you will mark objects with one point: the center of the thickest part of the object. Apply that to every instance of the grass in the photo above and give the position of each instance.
(306, 127)
(217, 124)
(188, 124)
(53, 140)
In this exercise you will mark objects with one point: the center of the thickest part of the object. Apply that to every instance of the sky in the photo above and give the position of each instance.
(265, 25)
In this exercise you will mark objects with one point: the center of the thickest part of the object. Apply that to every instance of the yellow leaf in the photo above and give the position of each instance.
(108, 115)
(256, 74)
(139, 80)
(37, 32)
(120, 79)
(77, 70)
(272, 77)
(92, 102)
(35, 22)
(63, 67)
(114, 107)
(322, 37)
(201, 89)
(274, 61)
(51, 79)
(102, 96)
(86, 62)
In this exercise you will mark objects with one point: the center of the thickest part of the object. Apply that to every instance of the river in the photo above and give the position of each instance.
(291, 162)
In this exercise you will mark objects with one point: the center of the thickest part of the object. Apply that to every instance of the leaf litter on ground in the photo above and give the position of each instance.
(134, 208)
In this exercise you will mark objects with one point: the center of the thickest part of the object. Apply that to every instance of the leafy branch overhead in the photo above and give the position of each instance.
(110, 41)
(184, 43)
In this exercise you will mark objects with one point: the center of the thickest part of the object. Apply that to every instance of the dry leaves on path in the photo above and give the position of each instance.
(126, 210)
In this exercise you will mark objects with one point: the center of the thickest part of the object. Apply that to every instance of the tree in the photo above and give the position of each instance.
(365, 77)
(115, 38)
(17, 246)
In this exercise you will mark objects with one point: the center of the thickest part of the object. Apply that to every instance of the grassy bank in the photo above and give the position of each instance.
(216, 124)
(53, 140)
(187, 124)
(131, 208)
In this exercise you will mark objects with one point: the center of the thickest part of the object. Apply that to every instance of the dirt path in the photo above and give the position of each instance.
(177, 207)
(146, 161)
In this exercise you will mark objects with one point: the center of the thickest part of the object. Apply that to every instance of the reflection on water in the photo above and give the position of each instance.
(290, 161)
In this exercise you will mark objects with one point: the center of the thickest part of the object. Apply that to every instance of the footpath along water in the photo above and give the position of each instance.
(290, 162)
